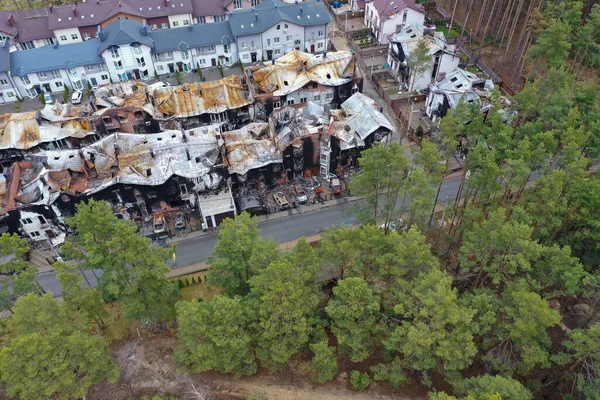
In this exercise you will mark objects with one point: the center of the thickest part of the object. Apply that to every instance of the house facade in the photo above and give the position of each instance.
(385, 17)
(8, 91)
(443, 58)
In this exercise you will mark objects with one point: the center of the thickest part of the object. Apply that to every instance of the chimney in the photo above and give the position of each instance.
(11, 19)
(120, 3)
(74, 9)
(51, 8)
(300, 10)
(255, 17)
(166, 3)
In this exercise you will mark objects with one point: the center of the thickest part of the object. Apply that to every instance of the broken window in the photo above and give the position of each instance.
(454, 79)
(107, 120)
(328, 76)
(42, 219)
(122, 119)
(149, 172)
(286, 83)
(138, 115)
(459, 85)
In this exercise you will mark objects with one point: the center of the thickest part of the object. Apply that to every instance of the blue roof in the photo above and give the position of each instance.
(124, 31)
(270, 12)
(192, 36)
(5, 57)
(48, 58)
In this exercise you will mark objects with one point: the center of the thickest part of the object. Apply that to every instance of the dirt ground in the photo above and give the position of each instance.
(148, 369)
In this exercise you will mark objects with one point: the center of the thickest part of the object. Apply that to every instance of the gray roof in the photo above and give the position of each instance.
(270, 12)
(124, 31)
(190, 37)
(5, 57)
(48, 58)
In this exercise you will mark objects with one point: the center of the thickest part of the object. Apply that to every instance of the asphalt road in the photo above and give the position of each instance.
(198, 249)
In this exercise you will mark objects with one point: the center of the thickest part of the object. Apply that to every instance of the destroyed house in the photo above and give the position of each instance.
(227, 101)
(459, 85)
(298, 77)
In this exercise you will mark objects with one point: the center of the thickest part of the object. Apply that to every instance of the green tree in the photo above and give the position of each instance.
(354, 312)
(286, 305)
(551, 48)
(49, 357)
(87, 301)
(418, 62)
(215, 336)
(583, 359)
(324, 363)
(435, 332)
(380, 182)
(519, 342)
(15, 270)
(360, 381)
(485, 386)
(133, 271)
(239, 254)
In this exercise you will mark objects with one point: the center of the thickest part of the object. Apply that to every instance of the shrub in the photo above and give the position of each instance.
(66, 93)
(193, 281)
(187, 282)
(180, 284)
(360, 381)
(220, 69)
(324, 363)
(42, 100)
(178, 77)
(199, 72)
(241, 65)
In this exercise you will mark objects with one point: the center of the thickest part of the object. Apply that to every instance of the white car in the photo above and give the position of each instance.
(76, 98)
(48, 98)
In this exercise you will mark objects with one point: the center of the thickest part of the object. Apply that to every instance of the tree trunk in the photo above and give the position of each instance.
(512, 31)
(485, 30)
(437, 195)
(503, 21)
(452, 18)
(481, 13)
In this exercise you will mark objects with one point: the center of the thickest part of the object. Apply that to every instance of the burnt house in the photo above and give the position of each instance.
(125, 120)
(298, 77)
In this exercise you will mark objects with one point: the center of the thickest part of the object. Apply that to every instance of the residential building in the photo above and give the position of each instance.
(403, 43)
(458, 85)
(50, 68)
(8, 91)
(201, 45)
(274, 28)
(385, 17)
(26, 29)
(358, 5)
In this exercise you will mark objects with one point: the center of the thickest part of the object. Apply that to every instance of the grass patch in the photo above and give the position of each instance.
(463, 56)
(197, 291)
(473, 69)
(117, 327)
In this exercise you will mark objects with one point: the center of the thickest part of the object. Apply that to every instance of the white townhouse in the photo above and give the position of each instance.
(49, 68)
(386, 17)
(8, 90)
(274, 28)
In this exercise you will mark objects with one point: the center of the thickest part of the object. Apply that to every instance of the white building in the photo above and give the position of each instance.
(402, 44)
(8, 90)
(385, 17)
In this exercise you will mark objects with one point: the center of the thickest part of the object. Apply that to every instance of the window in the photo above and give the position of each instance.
(55, 73)
(268, 42)
(3, 82)
(186, 22)
(114, 52)
(168, 54)
(102, 67)
(328, 96)
(185, 55)
(159, 68)
(202, 61)
(245, 57)
(255, 3)
(144, 74)
(276, 52)
(285, 26)
(186, 67)
(42, 75)
(226, 48)
(34, 234)
(47, 41)
(154, 27)
(42, 219)
(123, 77)
(86, 36)
(73, 73)
(276, 104)
(288, 38)
(276, 40)
(58, 84)
(302, 99)
(278, 27)
(140, 61)
(26, 221)
(25, 80)
(31, 92)
(201, 20)
(175, 23)
(211, 48)
(237, 4)
(63, 38)
(252, 45)
(27, 45)
(317, 97)
(89, 67)
(164, 25)
(320, 34)
(320, 45)
(244, 45)
(77, 85)
(219, 18)
(74, 36)
(118, 65)
(10, 95)
(290, 102)
(104, 77)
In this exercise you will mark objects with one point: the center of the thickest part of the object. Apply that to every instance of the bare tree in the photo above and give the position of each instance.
(199, 393)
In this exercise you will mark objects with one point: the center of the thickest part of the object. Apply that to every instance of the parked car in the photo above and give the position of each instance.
(281, 201)
(335, 186)
(76, 97)
(179, 221)
(300, 194)
(48, 99)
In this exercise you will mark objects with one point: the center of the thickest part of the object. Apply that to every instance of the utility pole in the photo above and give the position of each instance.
(372, 63)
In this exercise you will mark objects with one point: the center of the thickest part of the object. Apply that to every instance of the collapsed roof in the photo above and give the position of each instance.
(249, 148)
(362, 116)
(295, 69)
(24, 131)
(195, 99)
(409, 36)
(458, 85)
